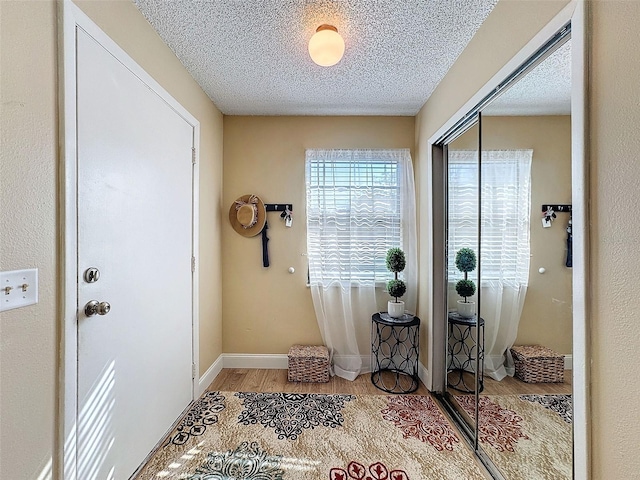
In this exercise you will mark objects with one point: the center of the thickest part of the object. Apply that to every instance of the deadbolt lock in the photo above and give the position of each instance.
(91, 275)
(96, 308)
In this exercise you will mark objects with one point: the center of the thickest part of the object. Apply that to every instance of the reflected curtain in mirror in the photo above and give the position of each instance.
(504, 246)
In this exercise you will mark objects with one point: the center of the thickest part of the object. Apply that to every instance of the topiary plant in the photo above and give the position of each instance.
(466, 262)
(396, 263)
(395, 260)
(396, 288)
(465, 288)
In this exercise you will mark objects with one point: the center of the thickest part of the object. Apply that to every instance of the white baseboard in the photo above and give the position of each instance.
(423, 374)
(366, 364)
(280, 362)
(209, 376)
(270, 362)
(365, 361)
(568, 362)
(250, 360)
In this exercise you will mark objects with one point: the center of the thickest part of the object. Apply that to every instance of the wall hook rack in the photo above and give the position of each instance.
(286, 209)
(558, 207)
(278, 207)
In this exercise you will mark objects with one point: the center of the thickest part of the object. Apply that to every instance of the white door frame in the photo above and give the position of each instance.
(574, 12)
(70, 18)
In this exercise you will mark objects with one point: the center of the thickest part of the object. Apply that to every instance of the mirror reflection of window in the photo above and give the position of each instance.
(524, 291)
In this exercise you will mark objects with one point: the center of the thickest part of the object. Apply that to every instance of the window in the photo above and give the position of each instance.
(506, 206)
(356, 211)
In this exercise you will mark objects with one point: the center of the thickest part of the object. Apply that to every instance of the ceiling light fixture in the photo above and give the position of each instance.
(326, 47)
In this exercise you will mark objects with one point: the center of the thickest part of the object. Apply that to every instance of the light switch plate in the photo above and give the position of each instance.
(18, 288)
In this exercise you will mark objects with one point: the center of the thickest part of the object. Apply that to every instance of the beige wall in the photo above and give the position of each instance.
(29, 225)
(266, 310)
(614, 202)
(28, 235)
(547, 314)
(615, 230)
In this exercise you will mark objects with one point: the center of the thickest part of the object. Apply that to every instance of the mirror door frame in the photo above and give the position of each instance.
(576, 14)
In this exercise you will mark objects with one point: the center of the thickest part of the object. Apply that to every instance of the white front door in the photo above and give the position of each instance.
(135, 227)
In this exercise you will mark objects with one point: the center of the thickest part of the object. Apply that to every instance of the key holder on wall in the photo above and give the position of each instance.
(287, 215)
(549, 212)
(548, 215)
(285, 208)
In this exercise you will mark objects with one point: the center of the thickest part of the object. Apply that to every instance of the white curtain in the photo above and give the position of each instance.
(505, 251)
(360, 203)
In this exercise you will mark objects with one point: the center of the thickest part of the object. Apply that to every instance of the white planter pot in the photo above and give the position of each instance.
(466, 310)
(395, 309)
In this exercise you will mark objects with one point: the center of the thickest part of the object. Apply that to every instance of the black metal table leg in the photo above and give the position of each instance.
(394, 353)
(462, 349)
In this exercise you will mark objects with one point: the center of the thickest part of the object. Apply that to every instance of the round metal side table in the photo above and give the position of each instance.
(462, 350)
(394, 352)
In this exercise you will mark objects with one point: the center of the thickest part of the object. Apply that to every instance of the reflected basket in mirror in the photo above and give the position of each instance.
(538, 364)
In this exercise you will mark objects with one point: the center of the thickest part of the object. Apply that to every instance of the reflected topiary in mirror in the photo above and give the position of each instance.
(465, 288)
(465, 262)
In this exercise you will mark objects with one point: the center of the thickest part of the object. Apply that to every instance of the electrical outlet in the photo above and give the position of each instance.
(18, 288)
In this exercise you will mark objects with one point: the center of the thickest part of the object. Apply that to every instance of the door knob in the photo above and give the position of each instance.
(96, 308)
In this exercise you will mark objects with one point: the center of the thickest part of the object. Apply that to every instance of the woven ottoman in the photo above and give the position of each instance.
(538, 364)
(308, 363)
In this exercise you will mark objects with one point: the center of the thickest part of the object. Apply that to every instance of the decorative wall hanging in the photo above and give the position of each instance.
(248, 215)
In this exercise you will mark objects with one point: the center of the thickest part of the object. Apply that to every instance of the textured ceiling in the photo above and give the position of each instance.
(251, 58)
(545, 90)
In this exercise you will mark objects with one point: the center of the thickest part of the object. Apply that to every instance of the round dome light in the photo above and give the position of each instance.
(326, 46)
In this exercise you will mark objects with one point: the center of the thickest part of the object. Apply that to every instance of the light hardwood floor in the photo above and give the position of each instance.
(255, 380)
(262, 380)
(513, 386)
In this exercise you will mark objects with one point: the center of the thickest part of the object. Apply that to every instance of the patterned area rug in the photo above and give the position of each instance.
(279, 436)
(526, 436)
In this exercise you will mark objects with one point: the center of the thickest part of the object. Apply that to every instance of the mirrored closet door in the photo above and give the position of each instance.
(509, 272)
(464, 330)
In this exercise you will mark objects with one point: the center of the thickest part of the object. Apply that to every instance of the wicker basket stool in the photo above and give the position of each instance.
(537, 364)
(308, 364)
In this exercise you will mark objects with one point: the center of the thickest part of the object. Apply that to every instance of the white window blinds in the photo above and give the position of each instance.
(355, 210)
(506, 206)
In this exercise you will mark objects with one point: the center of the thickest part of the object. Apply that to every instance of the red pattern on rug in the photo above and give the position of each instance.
(419, 417)
(499, 427)
(376, 471)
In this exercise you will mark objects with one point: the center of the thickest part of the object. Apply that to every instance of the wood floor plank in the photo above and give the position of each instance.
(271, 379)
(264, 380)
(253, 381)
(513, 386)
(234, 380)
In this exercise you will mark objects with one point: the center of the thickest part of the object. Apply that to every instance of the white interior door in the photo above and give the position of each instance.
(135, 227)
